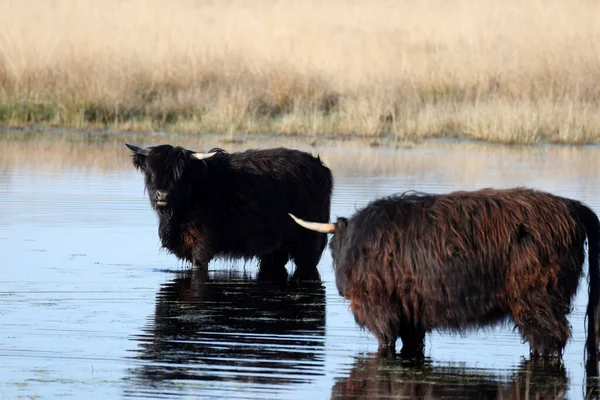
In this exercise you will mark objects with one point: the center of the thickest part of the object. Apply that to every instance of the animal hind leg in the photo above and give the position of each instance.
(545, 329)
(306, 255)
(272, 266)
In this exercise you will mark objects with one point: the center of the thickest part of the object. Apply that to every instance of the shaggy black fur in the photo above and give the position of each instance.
(417, 262)
(235, 205)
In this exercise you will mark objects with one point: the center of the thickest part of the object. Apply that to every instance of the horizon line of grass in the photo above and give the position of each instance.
(493, 121)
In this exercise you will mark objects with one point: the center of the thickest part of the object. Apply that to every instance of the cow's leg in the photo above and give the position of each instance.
(387, 346)
(272, 266)
(413, 343)
(382, 325)
(306, 255)
(201, 251)
(201, 263)
(545, 328)
(201, 257)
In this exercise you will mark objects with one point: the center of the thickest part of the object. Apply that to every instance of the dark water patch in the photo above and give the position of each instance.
(228, 326)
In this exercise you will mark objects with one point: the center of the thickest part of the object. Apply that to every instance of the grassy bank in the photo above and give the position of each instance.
(515, 71)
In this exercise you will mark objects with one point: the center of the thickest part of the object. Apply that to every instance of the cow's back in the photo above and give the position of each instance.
(303, 181)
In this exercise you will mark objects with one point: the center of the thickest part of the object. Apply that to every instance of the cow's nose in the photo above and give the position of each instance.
(161, 195)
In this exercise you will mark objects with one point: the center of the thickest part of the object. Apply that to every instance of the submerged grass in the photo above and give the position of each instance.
(516, 72)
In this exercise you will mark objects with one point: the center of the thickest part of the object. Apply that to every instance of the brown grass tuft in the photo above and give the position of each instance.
(512, 72)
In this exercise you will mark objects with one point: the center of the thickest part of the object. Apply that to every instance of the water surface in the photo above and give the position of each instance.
(91, 307)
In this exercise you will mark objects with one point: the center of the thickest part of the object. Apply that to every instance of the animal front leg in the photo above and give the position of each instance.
(198, 247)
(413, 342)
(201, 255)
(201, 263)
(381, 325)
(387, 347)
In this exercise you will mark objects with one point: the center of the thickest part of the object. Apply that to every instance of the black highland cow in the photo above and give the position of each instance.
(416, 262)
(235, 205)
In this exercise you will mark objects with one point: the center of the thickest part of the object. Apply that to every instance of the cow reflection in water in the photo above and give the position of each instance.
(230, 327)
(372, 377)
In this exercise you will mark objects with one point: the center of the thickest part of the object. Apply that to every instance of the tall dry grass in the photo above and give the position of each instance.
(512, 71)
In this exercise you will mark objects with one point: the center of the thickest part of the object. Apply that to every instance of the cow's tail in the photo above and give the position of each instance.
(592, 227)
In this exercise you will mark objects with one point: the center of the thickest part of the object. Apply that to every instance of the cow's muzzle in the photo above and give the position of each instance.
(160, 198)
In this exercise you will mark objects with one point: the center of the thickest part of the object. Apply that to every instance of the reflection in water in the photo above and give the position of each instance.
(592, 382)
(375, 378)
(439, 162)
(232, 328)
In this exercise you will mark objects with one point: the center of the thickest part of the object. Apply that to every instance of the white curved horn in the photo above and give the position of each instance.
(203, 156)
(315, 226)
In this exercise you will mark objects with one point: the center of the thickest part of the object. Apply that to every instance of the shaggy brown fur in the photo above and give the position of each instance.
(417, 262)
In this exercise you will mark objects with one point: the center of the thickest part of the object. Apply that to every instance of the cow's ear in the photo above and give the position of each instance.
(139, 161)
(139, 156)
(341, 224)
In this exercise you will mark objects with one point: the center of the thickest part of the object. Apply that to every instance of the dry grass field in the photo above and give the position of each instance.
(512, 71)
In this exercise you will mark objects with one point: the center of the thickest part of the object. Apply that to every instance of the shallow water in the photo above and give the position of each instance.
(91, 307)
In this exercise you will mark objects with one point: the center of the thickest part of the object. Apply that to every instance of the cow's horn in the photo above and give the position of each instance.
(315, 226)
(138, 150)
(202, 156)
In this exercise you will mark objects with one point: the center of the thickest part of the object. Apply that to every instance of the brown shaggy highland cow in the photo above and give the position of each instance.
(416, 262)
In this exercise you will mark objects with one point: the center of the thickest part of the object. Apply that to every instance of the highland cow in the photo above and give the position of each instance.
(417, 262)
(235, 205)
